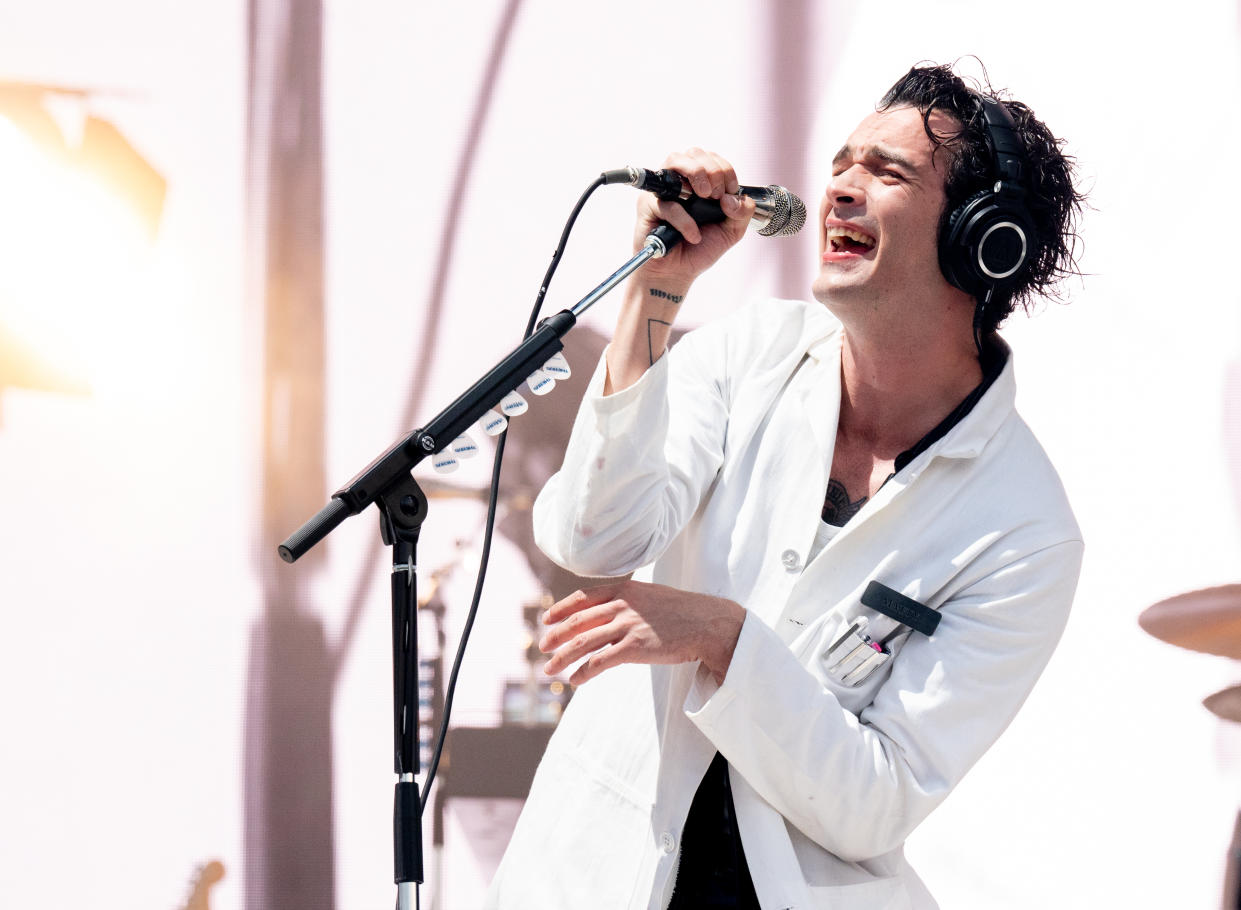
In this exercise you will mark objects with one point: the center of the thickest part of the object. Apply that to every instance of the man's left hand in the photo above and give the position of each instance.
(632, 622)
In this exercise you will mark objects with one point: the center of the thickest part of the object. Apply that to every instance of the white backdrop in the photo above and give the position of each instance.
(127, 519)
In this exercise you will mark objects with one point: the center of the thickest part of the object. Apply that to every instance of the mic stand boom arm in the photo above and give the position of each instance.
(388, 483)
(390, 467)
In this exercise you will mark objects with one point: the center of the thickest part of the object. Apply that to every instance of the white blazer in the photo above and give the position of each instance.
(709, 475)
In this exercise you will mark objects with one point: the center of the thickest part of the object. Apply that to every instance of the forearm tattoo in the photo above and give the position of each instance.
(650, 341)
(664, 295)
(837, 509)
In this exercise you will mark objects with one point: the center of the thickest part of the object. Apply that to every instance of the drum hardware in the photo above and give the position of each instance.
(1208, 621)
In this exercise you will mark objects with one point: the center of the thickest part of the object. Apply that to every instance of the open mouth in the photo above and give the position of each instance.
(847, 240)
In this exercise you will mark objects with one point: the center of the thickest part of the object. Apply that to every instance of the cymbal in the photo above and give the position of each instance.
(1225, 703)
(1208, 620)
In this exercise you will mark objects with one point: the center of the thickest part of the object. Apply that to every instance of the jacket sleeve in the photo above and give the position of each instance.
(859, 784)
(638, 462)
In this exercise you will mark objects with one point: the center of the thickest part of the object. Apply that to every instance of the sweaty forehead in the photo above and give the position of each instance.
(896, 135)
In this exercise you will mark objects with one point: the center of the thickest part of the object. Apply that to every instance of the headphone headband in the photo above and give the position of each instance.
(1007, 152)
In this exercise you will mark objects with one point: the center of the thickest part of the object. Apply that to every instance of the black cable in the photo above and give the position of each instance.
(450, 690)
(978, 311)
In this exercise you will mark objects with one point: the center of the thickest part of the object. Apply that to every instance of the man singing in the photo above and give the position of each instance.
(852, 557)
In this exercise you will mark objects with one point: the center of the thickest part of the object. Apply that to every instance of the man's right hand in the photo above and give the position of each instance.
(654, 294)
(710, 177)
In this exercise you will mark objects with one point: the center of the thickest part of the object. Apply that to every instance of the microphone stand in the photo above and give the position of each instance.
(388, 483)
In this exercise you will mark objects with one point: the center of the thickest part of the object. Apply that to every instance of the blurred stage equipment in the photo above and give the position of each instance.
(1209, 621)
(470, 770)
(535, 699)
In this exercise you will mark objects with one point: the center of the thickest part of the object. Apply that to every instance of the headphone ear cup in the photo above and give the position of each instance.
(986, 243)
(954, 257)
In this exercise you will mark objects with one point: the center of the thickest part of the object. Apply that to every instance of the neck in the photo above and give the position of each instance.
(895, 387)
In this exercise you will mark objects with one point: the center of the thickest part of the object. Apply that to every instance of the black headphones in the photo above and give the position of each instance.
(989, 238)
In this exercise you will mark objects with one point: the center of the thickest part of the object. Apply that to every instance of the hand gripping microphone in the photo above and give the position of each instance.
(777, 212)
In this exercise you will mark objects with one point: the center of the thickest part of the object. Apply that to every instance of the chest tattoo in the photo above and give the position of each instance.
(837, 509)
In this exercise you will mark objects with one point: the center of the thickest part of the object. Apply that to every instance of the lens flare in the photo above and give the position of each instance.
(76, 266)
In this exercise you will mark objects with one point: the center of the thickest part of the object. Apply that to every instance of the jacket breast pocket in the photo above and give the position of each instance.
(854, 657)
(872, 637)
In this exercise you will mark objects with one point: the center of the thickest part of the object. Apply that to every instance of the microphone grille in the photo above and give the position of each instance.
(789, 216)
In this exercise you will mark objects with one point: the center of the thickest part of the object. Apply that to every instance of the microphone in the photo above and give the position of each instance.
(777, 212)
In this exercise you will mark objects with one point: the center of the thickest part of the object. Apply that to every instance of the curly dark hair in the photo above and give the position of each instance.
(1054, 203)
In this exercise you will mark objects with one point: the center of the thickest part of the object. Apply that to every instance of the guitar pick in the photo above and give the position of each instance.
(464, 447)
(513, 405)
(557, 367)
(445, 462)
(493, 422)
(540, 383)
